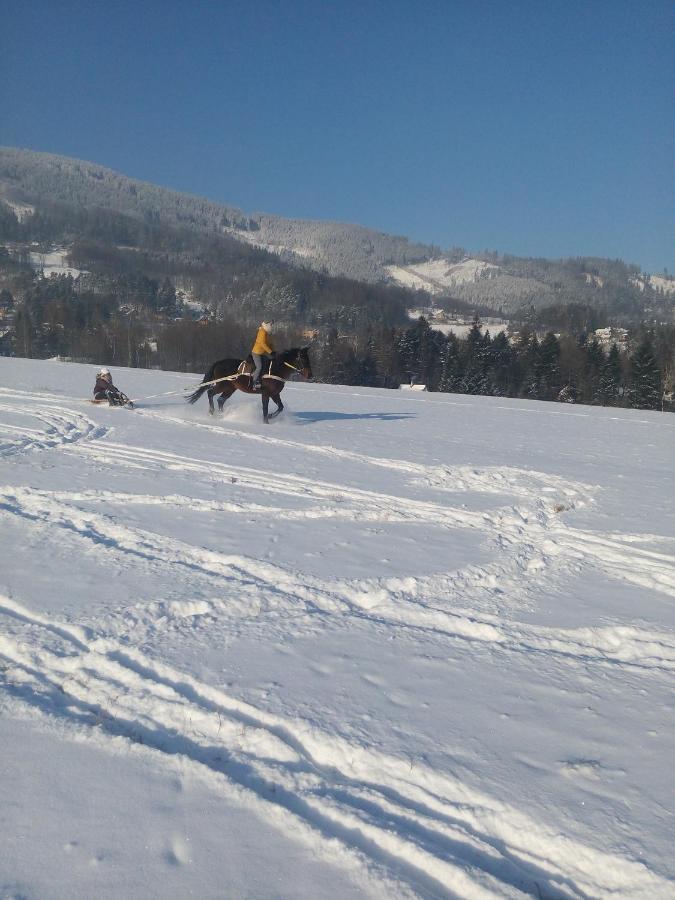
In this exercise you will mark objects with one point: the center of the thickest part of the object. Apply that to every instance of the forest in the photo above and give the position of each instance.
(145, 293)
(137, 322)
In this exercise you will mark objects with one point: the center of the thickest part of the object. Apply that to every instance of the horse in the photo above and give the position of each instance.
(229, 375)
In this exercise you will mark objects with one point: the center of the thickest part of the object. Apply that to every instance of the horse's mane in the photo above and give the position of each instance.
(292, 351)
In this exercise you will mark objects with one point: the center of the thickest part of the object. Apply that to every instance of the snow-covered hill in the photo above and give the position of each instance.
(660, 283)
(390, 645)
(32, 182)
(438, 276)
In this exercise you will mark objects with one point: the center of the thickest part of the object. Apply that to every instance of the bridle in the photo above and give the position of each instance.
(298, 369)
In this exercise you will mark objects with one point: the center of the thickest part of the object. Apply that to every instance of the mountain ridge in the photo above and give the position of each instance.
(22, 172)
(505, 284)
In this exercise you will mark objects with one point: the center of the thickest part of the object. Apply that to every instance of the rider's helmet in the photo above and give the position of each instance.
(103, 373)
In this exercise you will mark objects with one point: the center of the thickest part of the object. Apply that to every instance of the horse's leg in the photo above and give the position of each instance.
(277, 399)
(225, 393)
(210, 394)
(265, 397)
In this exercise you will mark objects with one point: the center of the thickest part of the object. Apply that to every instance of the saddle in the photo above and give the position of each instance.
(246, 367)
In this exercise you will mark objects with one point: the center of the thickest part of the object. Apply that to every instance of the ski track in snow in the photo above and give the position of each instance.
(61, 427)
(426, 828)
(535, 529)
(406, 602)
(414, 828)
(457, 478)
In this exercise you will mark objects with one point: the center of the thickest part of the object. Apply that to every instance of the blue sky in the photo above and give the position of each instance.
(540, 128)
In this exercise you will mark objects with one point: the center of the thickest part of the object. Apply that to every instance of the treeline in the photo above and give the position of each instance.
(129, 318)
(135, 321)
(552, 368)
(223, 276)
(138, 323)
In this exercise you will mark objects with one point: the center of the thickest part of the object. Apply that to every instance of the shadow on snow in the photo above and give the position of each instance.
(326, 416)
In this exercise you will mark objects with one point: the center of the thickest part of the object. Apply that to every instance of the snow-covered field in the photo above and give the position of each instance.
(460, 329)
(660, 283)
(438, 275)
(390, 645)
(54, 262)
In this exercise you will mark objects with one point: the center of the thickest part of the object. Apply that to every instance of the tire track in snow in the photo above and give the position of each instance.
(427, 829)
(397, 601)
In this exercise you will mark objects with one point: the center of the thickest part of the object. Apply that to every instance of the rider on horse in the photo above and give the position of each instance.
(226, 376)
(263, 349)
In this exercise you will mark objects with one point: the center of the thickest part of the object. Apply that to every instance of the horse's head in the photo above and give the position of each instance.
(303, 363)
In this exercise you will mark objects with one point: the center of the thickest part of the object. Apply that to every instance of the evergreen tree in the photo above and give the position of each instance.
(503, 373)
(476, 360)
(549, 368)
(594, 364)
(24, 334)
(531, 369)
(645, 389)
(386, 357)
(329, 363)
(417, 352)
(367, 366)
(610, 378)
(452, 368)
(166, 298)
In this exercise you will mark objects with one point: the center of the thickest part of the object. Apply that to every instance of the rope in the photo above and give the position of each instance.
(215, 381)
(190, 387)
(154, 396)
(232, 377)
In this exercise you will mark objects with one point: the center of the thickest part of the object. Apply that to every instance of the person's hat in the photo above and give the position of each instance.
(103, 371)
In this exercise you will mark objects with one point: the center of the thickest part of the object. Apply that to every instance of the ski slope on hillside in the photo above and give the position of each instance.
(387, 646)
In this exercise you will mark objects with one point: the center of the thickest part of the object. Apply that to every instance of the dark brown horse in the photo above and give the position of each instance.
(229, 375)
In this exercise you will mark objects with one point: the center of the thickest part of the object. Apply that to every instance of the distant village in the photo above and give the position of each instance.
(448, 323)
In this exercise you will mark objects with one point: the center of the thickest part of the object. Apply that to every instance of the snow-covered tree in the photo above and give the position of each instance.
(645, 388)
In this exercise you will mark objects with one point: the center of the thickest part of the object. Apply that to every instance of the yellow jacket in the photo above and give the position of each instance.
(263, 342)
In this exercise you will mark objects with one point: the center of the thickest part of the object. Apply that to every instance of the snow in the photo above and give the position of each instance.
(437, 276)
(663, 284)
(253, 238)
(439, 321)
(22, 211)
(54, 262)
(393, 644)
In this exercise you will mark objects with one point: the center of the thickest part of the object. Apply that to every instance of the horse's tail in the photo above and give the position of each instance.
(196, 395)
(208, 376)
